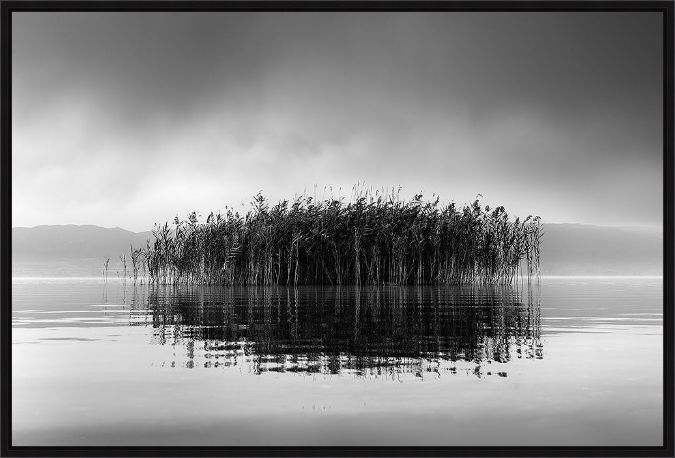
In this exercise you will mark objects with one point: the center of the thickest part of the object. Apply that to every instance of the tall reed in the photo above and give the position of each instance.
(376, 238)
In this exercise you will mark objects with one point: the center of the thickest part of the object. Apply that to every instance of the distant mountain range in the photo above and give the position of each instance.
(567, 249)
(581, 249)
(71, 250)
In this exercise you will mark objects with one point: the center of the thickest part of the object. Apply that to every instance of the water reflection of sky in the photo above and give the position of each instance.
(578, 363)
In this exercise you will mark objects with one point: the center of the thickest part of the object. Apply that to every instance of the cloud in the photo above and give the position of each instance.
(124, 119)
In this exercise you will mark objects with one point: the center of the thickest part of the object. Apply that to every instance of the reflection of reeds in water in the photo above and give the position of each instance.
(375, 239)
(370, 330)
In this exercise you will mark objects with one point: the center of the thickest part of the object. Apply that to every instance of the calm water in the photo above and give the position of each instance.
(577, 361)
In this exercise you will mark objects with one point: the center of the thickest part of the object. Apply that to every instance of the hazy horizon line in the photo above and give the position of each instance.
(559, 223)
(120, 279)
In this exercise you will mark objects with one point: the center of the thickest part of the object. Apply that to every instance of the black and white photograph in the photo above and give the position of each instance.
(338, 228)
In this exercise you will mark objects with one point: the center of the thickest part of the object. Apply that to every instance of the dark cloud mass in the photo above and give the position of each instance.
(123, 119)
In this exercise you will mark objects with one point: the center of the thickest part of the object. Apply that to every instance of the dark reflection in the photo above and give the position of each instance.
(363, 331)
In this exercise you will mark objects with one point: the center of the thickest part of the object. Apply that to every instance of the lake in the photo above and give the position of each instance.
(575, 361)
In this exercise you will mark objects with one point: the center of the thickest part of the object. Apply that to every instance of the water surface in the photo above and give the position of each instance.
(574, 362)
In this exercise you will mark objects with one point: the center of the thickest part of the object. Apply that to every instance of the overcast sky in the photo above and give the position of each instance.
(126, 119)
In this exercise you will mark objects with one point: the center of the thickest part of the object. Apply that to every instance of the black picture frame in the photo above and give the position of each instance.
(666, 8)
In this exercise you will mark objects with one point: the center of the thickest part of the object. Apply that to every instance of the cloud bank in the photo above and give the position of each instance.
(125, 119)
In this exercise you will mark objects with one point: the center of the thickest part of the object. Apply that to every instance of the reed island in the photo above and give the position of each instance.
(375, 238)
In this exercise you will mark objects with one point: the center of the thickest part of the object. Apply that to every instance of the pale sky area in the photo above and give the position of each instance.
(127, 119)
